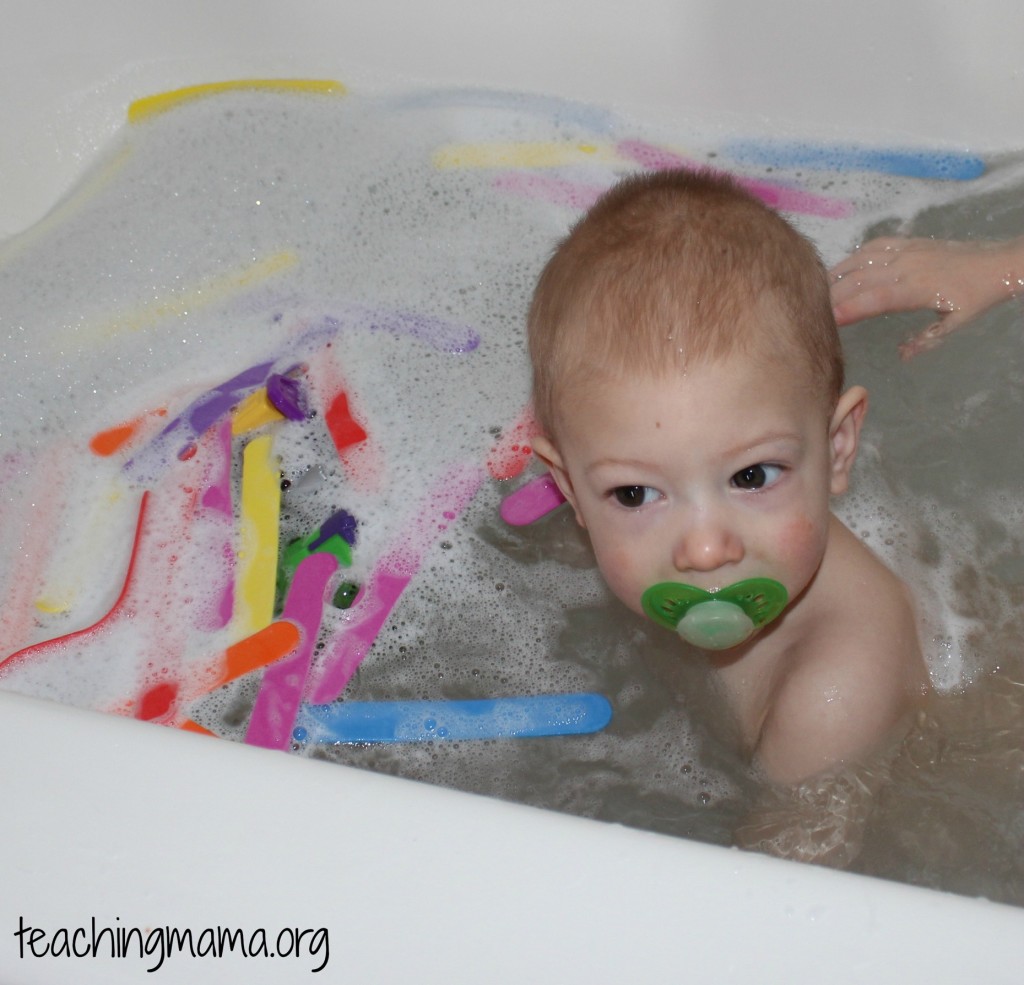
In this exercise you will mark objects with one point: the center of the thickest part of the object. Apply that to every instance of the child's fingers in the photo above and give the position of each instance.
(933, 336)
(875, 252)
(857, 301)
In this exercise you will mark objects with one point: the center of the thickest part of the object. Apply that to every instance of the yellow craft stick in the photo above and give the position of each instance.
(253, 412)
(150, 106)
(214, 290)
(90, 537)
(260, 510)
(522, 155)
(94, 182)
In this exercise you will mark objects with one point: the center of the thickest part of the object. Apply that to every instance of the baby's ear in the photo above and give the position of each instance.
(844, 436)
(544, 448)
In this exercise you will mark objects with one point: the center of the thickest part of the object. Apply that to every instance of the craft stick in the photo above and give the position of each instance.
(150, 106)
(129, 583)
(257, 554)
(532, 501)
(523, 154)
(216, 498)
(263, 648)
(253, 412)
(350, 644)
(426, 721)
(280, 694)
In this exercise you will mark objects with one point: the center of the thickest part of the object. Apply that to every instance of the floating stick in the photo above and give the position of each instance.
(558, 191)
(253, 412)
(111, 440)
(150, 106)
(336, 535)
(257, 554)
(349, 645)
(216, 498)
(344, 429)
(178, 438)
(775, 195)
(523, 155)
(129, 583)
(263, 648)
(938, 165)
(426, 721)
(277, 703)
(532, 501)
(185, 300)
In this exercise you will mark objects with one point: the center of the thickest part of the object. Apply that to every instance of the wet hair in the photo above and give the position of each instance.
(671, 268)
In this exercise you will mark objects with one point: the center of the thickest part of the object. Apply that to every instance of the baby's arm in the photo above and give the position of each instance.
(828, 716)
(958, 280)
(848, 685)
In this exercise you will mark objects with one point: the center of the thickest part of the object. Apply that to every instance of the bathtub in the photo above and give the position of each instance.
(142, 827)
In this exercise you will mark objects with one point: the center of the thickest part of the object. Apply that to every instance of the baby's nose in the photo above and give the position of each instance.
(707, 544)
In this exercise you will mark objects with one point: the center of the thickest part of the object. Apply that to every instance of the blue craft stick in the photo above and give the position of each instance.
(941, 165)
(424, 721)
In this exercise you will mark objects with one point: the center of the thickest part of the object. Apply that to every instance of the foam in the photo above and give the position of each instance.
(275, 230)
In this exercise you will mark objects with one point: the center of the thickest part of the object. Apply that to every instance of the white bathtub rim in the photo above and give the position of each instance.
(441, 870)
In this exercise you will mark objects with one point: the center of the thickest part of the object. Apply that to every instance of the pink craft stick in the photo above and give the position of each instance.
(530, 502)
(557, 191)
(280, 694)
(777, 196)
(351, 643)
(217, 498)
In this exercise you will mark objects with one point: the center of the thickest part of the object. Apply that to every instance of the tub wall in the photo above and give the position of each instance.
(916, 71)
(116, 819)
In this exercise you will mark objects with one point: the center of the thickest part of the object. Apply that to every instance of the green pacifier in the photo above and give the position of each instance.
(715, 620)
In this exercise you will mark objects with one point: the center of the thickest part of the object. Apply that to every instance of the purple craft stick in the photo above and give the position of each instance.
(280, 694)
(350, 644)
(185, 429)
(287, 396)
(206, 410)
(444, 335)
(342, 523)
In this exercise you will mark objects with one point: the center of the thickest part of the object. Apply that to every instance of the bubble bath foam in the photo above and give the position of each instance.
(364, 238)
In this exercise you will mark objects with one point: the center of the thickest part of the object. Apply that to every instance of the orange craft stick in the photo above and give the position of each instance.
(264, 647)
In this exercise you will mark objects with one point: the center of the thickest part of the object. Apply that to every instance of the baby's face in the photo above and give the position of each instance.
(708, 477)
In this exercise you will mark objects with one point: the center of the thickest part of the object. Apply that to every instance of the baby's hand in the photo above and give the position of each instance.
(958, 280)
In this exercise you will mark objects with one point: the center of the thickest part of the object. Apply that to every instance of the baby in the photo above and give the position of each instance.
(688, 385)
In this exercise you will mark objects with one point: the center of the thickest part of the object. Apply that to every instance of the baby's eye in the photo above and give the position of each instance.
(756, 476)
(633, 497)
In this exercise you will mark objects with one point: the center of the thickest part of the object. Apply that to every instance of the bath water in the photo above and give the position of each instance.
(379, 248)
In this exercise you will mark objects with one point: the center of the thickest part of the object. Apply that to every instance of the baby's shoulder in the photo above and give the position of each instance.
(861, 599)
(835, 707)
(853, 675)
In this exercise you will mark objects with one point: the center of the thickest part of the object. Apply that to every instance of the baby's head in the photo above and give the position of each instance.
(688, 386)
(669, 269)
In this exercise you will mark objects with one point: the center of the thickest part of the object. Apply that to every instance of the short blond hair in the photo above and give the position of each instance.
(669, 268)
